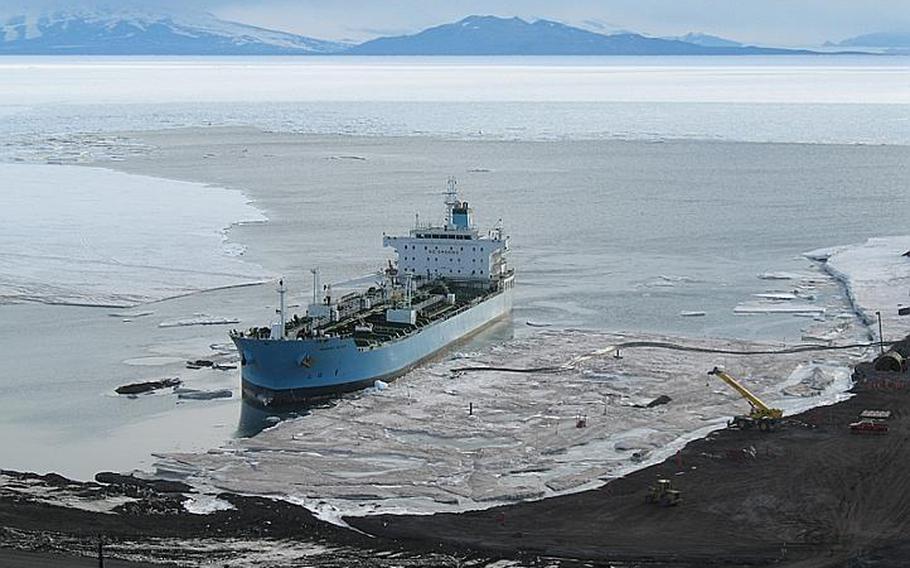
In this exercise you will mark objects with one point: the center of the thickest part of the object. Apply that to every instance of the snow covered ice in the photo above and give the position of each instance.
(200, 504)
(877, 277)
(87, 236)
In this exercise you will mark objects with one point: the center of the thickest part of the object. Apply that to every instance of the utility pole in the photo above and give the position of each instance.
(881, 337)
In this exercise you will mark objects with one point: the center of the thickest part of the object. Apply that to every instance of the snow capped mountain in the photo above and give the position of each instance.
(491, 35)
(707, 40)
(138, 32)
(880, 40)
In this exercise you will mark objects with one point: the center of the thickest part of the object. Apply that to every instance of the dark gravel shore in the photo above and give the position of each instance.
(19, 559)
(811, 494)
(153, 525)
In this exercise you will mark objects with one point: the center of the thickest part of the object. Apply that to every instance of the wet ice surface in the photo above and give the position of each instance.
(88, 236)
(441, 441)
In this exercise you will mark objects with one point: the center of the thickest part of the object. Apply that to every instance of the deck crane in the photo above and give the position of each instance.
(761, 415)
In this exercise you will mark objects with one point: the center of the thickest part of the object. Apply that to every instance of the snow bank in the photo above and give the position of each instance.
(87, 236)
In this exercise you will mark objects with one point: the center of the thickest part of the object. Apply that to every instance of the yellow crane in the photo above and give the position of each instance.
(761, 415)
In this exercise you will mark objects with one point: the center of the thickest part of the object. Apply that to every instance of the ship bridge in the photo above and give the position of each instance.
(454, 250)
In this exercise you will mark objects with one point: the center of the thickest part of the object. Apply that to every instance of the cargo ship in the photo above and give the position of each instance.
(448, 281)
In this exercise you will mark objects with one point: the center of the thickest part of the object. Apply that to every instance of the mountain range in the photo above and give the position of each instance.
(489, 35)
(889, 42)
(140, 33)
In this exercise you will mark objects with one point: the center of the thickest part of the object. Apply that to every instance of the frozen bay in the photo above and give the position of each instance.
(627, 206)
(88, 236)
(845, 99)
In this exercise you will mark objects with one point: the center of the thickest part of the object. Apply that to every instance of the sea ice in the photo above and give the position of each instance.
(877, 278)
(133, 314)
(797, 309)
(194, 394)
(199, 320)
(776, 296)
(779, 276)
(87, 236)
(442, 441)
(206, 504)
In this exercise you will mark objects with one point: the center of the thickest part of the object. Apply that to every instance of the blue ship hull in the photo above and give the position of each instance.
(291, 371)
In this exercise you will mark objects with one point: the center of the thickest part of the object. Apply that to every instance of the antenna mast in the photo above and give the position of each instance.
(451, 199)
(281, 315)
(315, 272)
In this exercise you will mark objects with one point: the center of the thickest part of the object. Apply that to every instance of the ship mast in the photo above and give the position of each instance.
(315, 272)
(281, 309)
(451, 200)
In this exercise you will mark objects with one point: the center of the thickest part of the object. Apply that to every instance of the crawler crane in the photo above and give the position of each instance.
(761, 416)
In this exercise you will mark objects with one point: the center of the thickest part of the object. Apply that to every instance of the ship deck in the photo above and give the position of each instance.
(383, 331)
(370, 328)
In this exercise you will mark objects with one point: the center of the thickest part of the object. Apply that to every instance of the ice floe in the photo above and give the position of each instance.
(814, 379)
(195, 394)
(777, 308)
(200, 504)
(133, 314)
(201, 319)
(152, 361)
(776, 296)
(779, 276)
(90, 236)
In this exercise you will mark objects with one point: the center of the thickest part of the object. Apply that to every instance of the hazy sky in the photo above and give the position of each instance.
(780, 22)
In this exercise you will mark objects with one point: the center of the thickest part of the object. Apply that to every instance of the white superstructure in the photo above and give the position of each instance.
(455, 250)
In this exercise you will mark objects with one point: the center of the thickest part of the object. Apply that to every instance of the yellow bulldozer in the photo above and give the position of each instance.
(663, 494)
